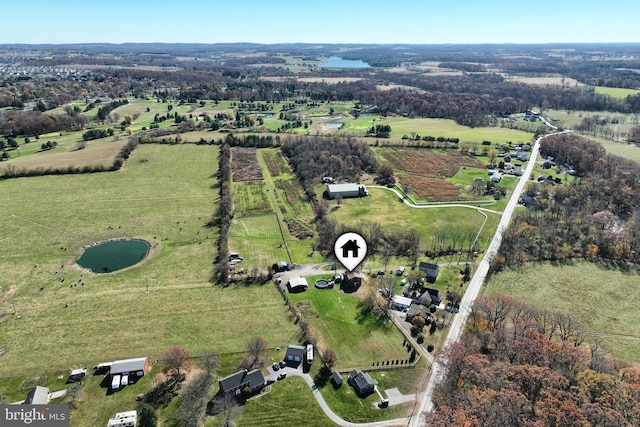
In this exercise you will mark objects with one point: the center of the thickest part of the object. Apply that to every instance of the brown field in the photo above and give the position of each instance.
(544, 80)
(393, 86)
(329, 80)
(103, 154)
(245, 166)
(424, 170)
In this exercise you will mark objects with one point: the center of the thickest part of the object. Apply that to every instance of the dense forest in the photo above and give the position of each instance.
(517, 365)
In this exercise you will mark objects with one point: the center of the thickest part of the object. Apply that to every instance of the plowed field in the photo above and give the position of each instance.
(425, 171)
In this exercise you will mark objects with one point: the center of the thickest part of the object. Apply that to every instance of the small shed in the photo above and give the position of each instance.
(297, 284)
(336, 380)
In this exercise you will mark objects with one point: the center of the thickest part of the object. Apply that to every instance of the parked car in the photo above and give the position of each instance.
(451, 308)
(124, 380)
(282, 364)
(282, 376)
(269, 381)
(275, 366)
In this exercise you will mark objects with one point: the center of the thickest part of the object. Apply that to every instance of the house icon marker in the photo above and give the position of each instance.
(350, 246)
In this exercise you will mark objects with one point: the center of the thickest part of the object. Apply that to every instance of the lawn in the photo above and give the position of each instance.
(358, 338)
(383, 207)
(288, 403)
(603, 300)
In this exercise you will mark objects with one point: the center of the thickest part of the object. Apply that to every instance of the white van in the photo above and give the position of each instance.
(125, 380)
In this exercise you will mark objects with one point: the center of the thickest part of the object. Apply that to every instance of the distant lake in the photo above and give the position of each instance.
(336, 62)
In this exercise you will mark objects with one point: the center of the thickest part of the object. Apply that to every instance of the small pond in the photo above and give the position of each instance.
(336, 62)
(113, 255)
(333, 125)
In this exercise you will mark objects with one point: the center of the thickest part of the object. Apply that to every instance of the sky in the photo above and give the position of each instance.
(326, 21)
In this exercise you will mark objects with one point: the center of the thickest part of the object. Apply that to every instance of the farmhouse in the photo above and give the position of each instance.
(351, 281)
(37, 396)
(346, 190)
(431, 270)
(363, 384)
(234, 383)
(297, 284)
(295, 355)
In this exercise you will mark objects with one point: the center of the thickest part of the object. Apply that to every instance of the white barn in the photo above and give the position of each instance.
(346, 190)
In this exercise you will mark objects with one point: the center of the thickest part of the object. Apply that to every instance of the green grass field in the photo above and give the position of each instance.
(603, 300)
(164, 195)
(383, 207)
(358, 340)
(450, 129)
(279, 408)
(616, 92)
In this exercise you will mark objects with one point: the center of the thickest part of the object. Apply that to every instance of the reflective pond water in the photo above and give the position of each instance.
(113, 255)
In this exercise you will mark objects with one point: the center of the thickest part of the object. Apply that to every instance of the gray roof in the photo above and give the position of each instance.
(38, 396)
(128, 365)
(336, 378)
(299, 350)
(361, 380)
(241, 379)
(338, 188)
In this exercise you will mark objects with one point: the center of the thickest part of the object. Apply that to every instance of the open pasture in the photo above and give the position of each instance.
(97, 152)
(258, 240)
(163, 195)
(603, 300)
(616, 92)
(450, 129)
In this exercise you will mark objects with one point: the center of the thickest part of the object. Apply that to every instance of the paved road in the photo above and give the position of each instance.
(478, 279)
(327, 410)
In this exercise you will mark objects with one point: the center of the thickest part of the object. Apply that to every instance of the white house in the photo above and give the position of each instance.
(401, 302)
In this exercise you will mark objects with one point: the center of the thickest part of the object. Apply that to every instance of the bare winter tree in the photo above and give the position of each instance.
(257, 350)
